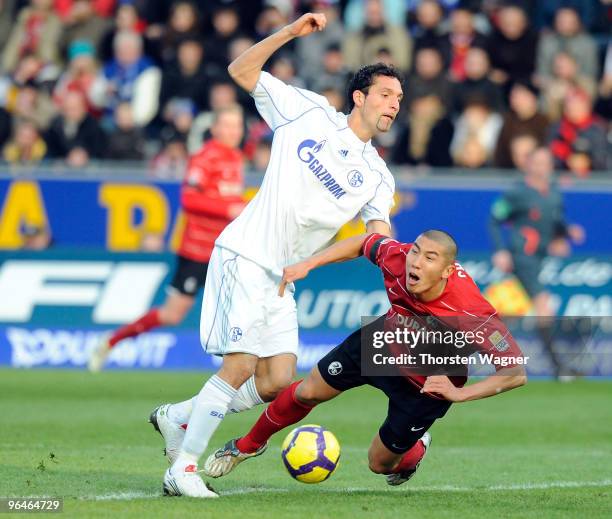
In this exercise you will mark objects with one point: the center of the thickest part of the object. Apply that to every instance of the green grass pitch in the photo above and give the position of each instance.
(544, 450)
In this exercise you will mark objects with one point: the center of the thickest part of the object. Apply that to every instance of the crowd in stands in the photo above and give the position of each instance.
(138, 80)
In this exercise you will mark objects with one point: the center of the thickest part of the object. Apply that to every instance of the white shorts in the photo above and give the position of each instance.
(241, 309)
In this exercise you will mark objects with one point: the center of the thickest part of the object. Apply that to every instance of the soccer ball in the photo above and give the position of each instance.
(310, 453)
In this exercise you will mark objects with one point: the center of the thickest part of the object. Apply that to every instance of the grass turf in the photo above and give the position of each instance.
(544, 450)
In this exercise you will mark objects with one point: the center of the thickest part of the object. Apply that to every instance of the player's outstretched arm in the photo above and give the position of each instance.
(504, 380)
(245, 69)
(341, 251)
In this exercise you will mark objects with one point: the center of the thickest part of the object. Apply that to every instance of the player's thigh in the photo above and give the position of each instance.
(381, 459)
(313, 389)
(273, 374)
(233, 314)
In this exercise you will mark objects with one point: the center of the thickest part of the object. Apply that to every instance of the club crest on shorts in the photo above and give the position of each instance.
(335, 368)
(498, 341)
(355, 178)
(235, 334)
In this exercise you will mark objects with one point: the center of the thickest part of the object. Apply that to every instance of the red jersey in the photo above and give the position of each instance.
(211, 192)
(461, 306)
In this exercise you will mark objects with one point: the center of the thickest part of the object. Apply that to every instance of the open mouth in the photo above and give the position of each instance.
(413, 279)
(390, 117)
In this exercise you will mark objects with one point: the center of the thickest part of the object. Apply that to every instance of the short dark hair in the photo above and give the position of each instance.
(446, 240)
(365, 76)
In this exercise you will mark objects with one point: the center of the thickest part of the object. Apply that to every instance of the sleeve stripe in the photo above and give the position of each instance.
(374, 249)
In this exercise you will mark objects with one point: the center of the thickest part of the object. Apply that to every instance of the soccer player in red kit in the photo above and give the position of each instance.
(211, 197)
(424, 283)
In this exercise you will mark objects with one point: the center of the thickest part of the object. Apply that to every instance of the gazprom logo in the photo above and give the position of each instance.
(306, 151)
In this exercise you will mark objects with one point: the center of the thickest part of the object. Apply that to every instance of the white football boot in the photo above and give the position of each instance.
(401, 477)
(171, 432)
(227, 458)
(99, 354)
(186, 482)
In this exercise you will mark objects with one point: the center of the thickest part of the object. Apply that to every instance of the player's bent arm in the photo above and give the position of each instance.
(505, 380)
(245, 69)
(341, 251)
(378, 227)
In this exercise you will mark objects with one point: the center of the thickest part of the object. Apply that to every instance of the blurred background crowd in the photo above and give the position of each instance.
(138, 80)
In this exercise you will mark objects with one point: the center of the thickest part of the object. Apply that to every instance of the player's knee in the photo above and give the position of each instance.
(274, 384)
(378, 466)
(308, 394)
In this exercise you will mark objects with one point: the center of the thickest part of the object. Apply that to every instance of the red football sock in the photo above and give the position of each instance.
(146, 322)
(411, 457)
(283, 411)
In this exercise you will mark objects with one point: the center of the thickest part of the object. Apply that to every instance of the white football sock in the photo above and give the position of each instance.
(209, 409)
(246, 398)
(181, 411)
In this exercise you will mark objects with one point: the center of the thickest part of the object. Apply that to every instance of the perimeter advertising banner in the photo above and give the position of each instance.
(56, 305)
(126, 216)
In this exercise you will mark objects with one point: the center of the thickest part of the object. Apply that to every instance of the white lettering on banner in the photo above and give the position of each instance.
(59, 347)
(339, 308)
(119, 292)
(589, 272)
(586, 304)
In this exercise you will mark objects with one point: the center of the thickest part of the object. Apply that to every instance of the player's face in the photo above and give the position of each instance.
(229, 129)
(427, 268)
(382, 103)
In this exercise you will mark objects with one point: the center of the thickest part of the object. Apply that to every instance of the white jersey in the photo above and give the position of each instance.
(320, 176)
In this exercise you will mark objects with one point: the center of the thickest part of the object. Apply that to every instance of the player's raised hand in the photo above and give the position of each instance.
(441, 385)
(307, 24)
(292, 273)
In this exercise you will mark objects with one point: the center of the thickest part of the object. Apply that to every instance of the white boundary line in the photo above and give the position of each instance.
(126, 496)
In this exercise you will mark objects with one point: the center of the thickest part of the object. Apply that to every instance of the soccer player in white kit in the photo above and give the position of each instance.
(323, 171)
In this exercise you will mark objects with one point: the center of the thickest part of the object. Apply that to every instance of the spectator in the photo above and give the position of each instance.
(178, 117)
(355, 13)
(27, 147)
(283, 68)
(428, 77)
(335, 97)
(334, 74)
(565, 78)
(426, 31)
(81, 74)
(83, 24)
(36, 31)
(74, 135)
(569, 38)
(129, 77)
(475, 136)
(102, 8)
(270, 20)
(261, 157)
(36, 237)
(425, 135)
(309, 50)
(477, 83)
(189, 76)
(604, 102)
(578, 140)
(126, 20)
(221, 95)
(361, 47)
(28, 101)
(456, 45)
(6, 125)
(184, 22)
(523, 118)
(521, 147)
(226, 27)
(512, 46)
(171, 161)
(7, 19)
(126, 142)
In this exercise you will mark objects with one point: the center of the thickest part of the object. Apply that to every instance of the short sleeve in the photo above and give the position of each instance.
(279, 103)
(377, 248)
(380, 205)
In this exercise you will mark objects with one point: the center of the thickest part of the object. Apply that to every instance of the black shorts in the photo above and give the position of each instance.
(189, 276)
(410, 413)
(527, 270)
